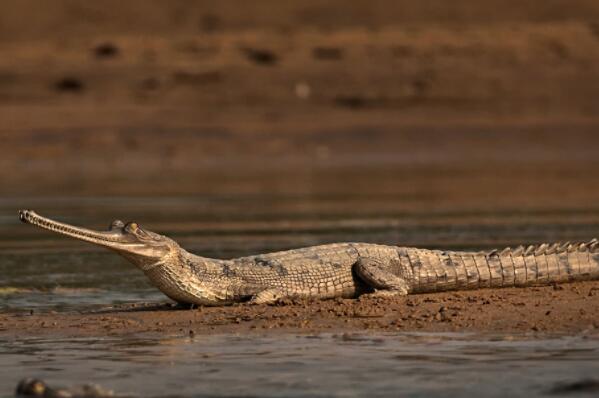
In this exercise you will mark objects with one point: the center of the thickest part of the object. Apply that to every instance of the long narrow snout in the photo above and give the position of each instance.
(111, 239)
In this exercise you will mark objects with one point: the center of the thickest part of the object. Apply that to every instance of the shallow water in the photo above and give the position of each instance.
(42, 271)
(307, 366)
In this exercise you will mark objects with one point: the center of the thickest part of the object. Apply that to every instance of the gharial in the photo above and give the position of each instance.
(332, 270)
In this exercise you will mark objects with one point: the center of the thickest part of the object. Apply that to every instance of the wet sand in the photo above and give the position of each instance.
(535, 311)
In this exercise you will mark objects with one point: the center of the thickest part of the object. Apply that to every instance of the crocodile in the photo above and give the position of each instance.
(344, 270)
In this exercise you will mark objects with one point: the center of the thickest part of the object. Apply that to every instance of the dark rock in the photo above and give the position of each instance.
(262, 57)
(106, 50)
(576, 387)
(69, 84)
(30, 387)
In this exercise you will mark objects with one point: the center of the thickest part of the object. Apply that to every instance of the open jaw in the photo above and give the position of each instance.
(115, 239)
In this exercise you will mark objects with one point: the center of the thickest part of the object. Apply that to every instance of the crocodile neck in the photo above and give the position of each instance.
(186, 277)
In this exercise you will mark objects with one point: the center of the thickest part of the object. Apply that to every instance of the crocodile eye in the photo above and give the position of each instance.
(131, 227)
(116, 224)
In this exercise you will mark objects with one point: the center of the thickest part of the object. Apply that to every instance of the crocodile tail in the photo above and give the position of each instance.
(546, 263)
(543, 264)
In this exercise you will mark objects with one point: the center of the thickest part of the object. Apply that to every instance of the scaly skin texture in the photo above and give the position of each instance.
(334, 270)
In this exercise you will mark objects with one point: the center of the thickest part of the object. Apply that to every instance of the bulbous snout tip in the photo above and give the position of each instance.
(24, 215)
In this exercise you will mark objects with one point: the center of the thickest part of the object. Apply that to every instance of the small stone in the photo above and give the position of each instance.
(303, 90)
(31, 388)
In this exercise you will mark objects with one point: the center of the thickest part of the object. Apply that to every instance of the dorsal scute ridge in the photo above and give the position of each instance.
(547, 249)
(518, 251)
(529, 250)
(563, 247)
(552, 249)
(541, 249)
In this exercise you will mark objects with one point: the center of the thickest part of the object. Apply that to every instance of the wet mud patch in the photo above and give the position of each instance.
(261, 56)
(106, 50)
(69, 84)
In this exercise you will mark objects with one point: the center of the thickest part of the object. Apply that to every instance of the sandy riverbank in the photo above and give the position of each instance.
(568, 308)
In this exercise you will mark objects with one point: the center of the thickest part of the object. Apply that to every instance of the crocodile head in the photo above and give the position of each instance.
(138, 245)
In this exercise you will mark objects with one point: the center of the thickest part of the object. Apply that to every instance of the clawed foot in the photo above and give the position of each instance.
(270, 296)
(388, 293)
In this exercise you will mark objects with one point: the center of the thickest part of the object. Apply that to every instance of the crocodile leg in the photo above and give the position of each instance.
(376, 274)
(268, 296)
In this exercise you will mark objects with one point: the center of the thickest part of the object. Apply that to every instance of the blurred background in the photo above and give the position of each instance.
(367, 115)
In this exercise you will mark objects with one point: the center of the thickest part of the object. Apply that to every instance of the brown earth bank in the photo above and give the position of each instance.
(157, 98)
(533, 311)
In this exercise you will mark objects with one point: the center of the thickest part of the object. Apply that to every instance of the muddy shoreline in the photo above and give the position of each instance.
(571, 308)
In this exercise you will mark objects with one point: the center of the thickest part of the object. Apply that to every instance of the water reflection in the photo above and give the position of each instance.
(325, 365)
